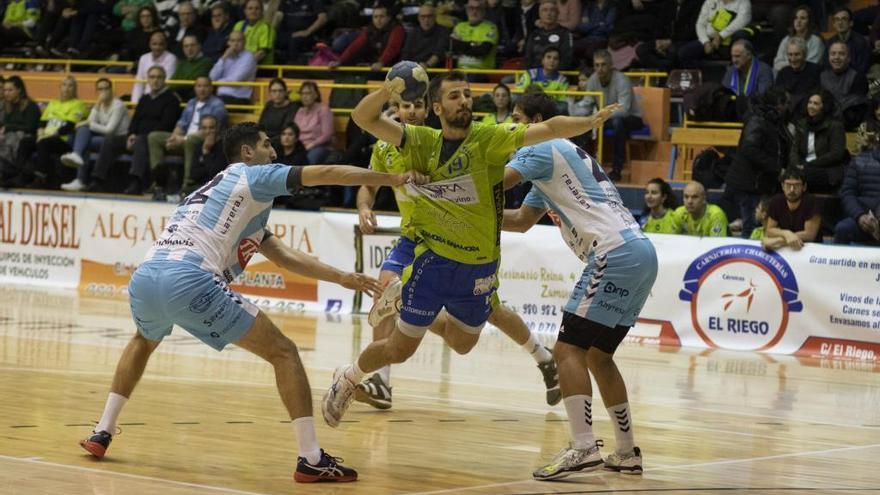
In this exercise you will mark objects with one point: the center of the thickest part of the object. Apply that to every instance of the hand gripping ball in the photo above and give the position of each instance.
(407, 81)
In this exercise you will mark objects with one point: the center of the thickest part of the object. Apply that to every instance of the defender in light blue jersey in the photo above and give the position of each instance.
(606, 301)
(184, 281)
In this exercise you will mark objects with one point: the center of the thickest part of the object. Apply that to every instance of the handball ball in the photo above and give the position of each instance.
(407, 81)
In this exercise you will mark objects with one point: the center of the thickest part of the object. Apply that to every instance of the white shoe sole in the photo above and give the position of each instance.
(389, 303)
(329, 418)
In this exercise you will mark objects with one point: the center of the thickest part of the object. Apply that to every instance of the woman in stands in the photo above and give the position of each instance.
(58, 121)
(503, 106)
(18, 128)
(108, 117)
(137, 41)
(660, 203)
(290, 150)
(802, 26)
(279, 110)
(315, 122)
(819, 146)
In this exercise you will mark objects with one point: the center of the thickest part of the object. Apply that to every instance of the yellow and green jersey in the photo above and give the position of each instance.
(757, 234)
(386, 158)
(58, 112)
(458, 215)
(667, 224)
(484, 32)
(713, 223)
(258, 36)
(493, 119)
(547, 82)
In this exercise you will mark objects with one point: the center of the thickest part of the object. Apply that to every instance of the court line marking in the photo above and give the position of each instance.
(432, 399)
(35, 460)
(664, 468)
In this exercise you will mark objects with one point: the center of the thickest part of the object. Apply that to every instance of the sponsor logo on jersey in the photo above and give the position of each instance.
(459, 190)
(740, 297)
(247, 248)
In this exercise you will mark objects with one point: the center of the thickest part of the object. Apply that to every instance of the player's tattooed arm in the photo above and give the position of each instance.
(369, 117)
(566, 127)
(522, 218)
(301, 263)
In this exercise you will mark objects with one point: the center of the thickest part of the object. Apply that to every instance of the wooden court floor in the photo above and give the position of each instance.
(204, 422)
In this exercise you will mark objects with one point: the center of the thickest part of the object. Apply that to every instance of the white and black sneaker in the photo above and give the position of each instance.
(630, 463)
(570, 460)
(551, 380)
(338, 397)
(329, 468)
(387, 305)
(374, 391)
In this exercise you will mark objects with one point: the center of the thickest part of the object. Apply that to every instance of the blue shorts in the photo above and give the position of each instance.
(165, 293)
(434, 282)
(400, 257)
(614, 287)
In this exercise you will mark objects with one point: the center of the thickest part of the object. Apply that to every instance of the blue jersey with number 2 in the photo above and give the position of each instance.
(220, 226)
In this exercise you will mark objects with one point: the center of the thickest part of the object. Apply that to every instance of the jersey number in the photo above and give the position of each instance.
(200, 196)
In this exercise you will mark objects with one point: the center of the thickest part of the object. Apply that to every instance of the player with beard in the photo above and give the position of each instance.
(376, 390)
(456, 222)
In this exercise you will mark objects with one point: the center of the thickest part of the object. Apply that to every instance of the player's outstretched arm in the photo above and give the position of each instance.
(348, 175)
(299, 262)
(366, 198)
(369, 117)
(522, 218)
(566, 127)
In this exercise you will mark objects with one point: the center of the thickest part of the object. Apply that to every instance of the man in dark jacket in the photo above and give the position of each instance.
(800, 76)
(378, 44)
(849, 87)
(860, 196)
(427, 43)
(677, 25)
(548, 33)
(155, 111)
(760, 155)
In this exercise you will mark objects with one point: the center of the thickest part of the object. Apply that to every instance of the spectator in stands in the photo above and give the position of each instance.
(747, 75)
(720, 23)
(19, 22)
(300, 21)
(580, 106)
(495, 13)
(697, 217)
(236, 65)
(676, 26)
(53, 137)
(427, 43)
(858, 48)
(108, 118)
(53, 26)
(593, 28)
(819, 146)
(290, 149)
(21, 119)
(378, 44)
(186, 138)
(210, 160)
(137, 41)
(503, 106)
(570, 14)
(156, 111)
(849, 87)
(802, 27)
(860, 193)
(799, 76)
(659, 216)
(192, 65)
(315, 122)
(92, 17)
(759, 234)
(279, 110)
(259, 36)
(217, 38)
(616, 88)
(548, 32)
(158, 55)
(761, 153)
(127, 11)
(475, 41)
(527, 17)
(793, 213)
(547, 77)
(189, 26)
(777, 12)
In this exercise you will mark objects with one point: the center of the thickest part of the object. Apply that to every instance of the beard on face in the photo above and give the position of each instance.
(461, 119)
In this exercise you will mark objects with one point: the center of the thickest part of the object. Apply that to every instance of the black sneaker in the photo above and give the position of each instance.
(327, 469)
(97, 444)
(551, 380)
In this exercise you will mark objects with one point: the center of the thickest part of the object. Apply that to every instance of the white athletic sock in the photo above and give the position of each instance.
(580, 421)
(539, 352)
(621, 418)
(111, 413)
(385, 373)
(307, 439)
(354, 373)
